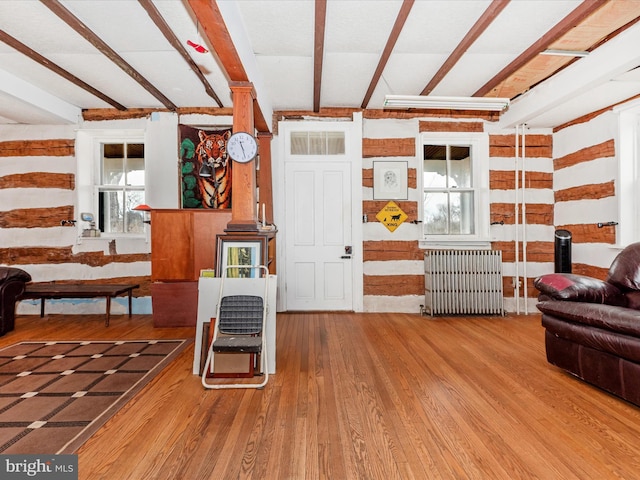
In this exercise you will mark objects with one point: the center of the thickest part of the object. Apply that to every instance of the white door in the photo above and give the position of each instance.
(318, 212)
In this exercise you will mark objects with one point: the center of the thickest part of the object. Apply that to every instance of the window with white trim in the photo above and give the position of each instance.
(111, 181)
(455, 188)
(120, 188)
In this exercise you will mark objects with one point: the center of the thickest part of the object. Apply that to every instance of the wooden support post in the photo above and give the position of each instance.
(243, 179)
(264, 174)
(266, 190)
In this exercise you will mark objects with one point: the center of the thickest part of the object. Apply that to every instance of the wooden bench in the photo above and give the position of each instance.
(52, 290)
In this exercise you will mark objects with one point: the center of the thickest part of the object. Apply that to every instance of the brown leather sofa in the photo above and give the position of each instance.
(12, 282)
(592, 326)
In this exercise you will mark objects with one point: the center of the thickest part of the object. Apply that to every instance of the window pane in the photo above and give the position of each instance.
(460, 167)
(299, 144)
(335, 143)
(112, 164)
(116, 214)
(113, 150)
(135, 218)
(435, 174)
(135, 171)
(436, 213)
(435, 166)
(461, 210)
(135, 150)
(111, 215)
(317, 143)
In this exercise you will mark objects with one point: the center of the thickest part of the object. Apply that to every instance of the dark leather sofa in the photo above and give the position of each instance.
(592, 326)
(12, 283)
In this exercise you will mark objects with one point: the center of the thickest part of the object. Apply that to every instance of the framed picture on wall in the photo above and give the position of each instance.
(390, 180)
(235, 251)
(205, 168)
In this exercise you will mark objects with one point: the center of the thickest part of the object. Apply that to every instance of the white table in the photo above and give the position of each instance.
(208, 296)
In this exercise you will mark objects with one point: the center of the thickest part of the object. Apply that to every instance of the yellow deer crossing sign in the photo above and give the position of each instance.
(391, 216)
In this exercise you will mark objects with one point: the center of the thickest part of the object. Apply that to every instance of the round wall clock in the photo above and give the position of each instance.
(242, 147)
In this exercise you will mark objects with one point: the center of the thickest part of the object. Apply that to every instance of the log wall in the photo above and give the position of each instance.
(585, 190)
(37, 193)
(570, 183)
(394, 261)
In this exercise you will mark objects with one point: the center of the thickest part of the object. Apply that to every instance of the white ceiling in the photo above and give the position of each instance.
(275, 39)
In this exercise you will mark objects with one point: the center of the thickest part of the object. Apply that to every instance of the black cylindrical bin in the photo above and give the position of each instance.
(562, 251)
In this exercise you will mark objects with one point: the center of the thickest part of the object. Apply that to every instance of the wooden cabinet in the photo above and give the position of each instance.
(183, 242)
(171, 246)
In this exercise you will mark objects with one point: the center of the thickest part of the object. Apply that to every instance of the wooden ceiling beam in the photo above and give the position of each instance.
(66, 16)
(386, 53)
(318, 50)
(162, 25)
(210, 19)
(45, 62)
(489, 15)
(581, 12)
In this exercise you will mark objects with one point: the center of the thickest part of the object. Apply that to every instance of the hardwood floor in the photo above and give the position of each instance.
(363, 396)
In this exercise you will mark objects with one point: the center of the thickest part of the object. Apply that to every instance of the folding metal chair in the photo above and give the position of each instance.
(240, 327)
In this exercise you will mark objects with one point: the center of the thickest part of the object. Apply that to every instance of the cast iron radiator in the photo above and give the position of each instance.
(463, 282)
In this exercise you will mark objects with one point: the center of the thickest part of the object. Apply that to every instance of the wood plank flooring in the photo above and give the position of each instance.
(363, 396)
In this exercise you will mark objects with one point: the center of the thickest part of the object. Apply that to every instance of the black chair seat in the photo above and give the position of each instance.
(241, 344)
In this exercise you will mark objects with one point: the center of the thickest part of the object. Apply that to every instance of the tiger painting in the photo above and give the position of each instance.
(214, 168)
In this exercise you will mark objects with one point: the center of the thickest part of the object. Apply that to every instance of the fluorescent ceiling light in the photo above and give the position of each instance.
(447, 103)
(565, 53)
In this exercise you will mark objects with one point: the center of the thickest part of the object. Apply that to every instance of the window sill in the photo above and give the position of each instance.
(110, 236)
(432, 244)
(105, 237)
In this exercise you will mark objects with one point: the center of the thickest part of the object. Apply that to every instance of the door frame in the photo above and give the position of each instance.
(353, 156)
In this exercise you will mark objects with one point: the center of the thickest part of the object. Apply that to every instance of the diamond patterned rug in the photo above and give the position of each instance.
(55, 395)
